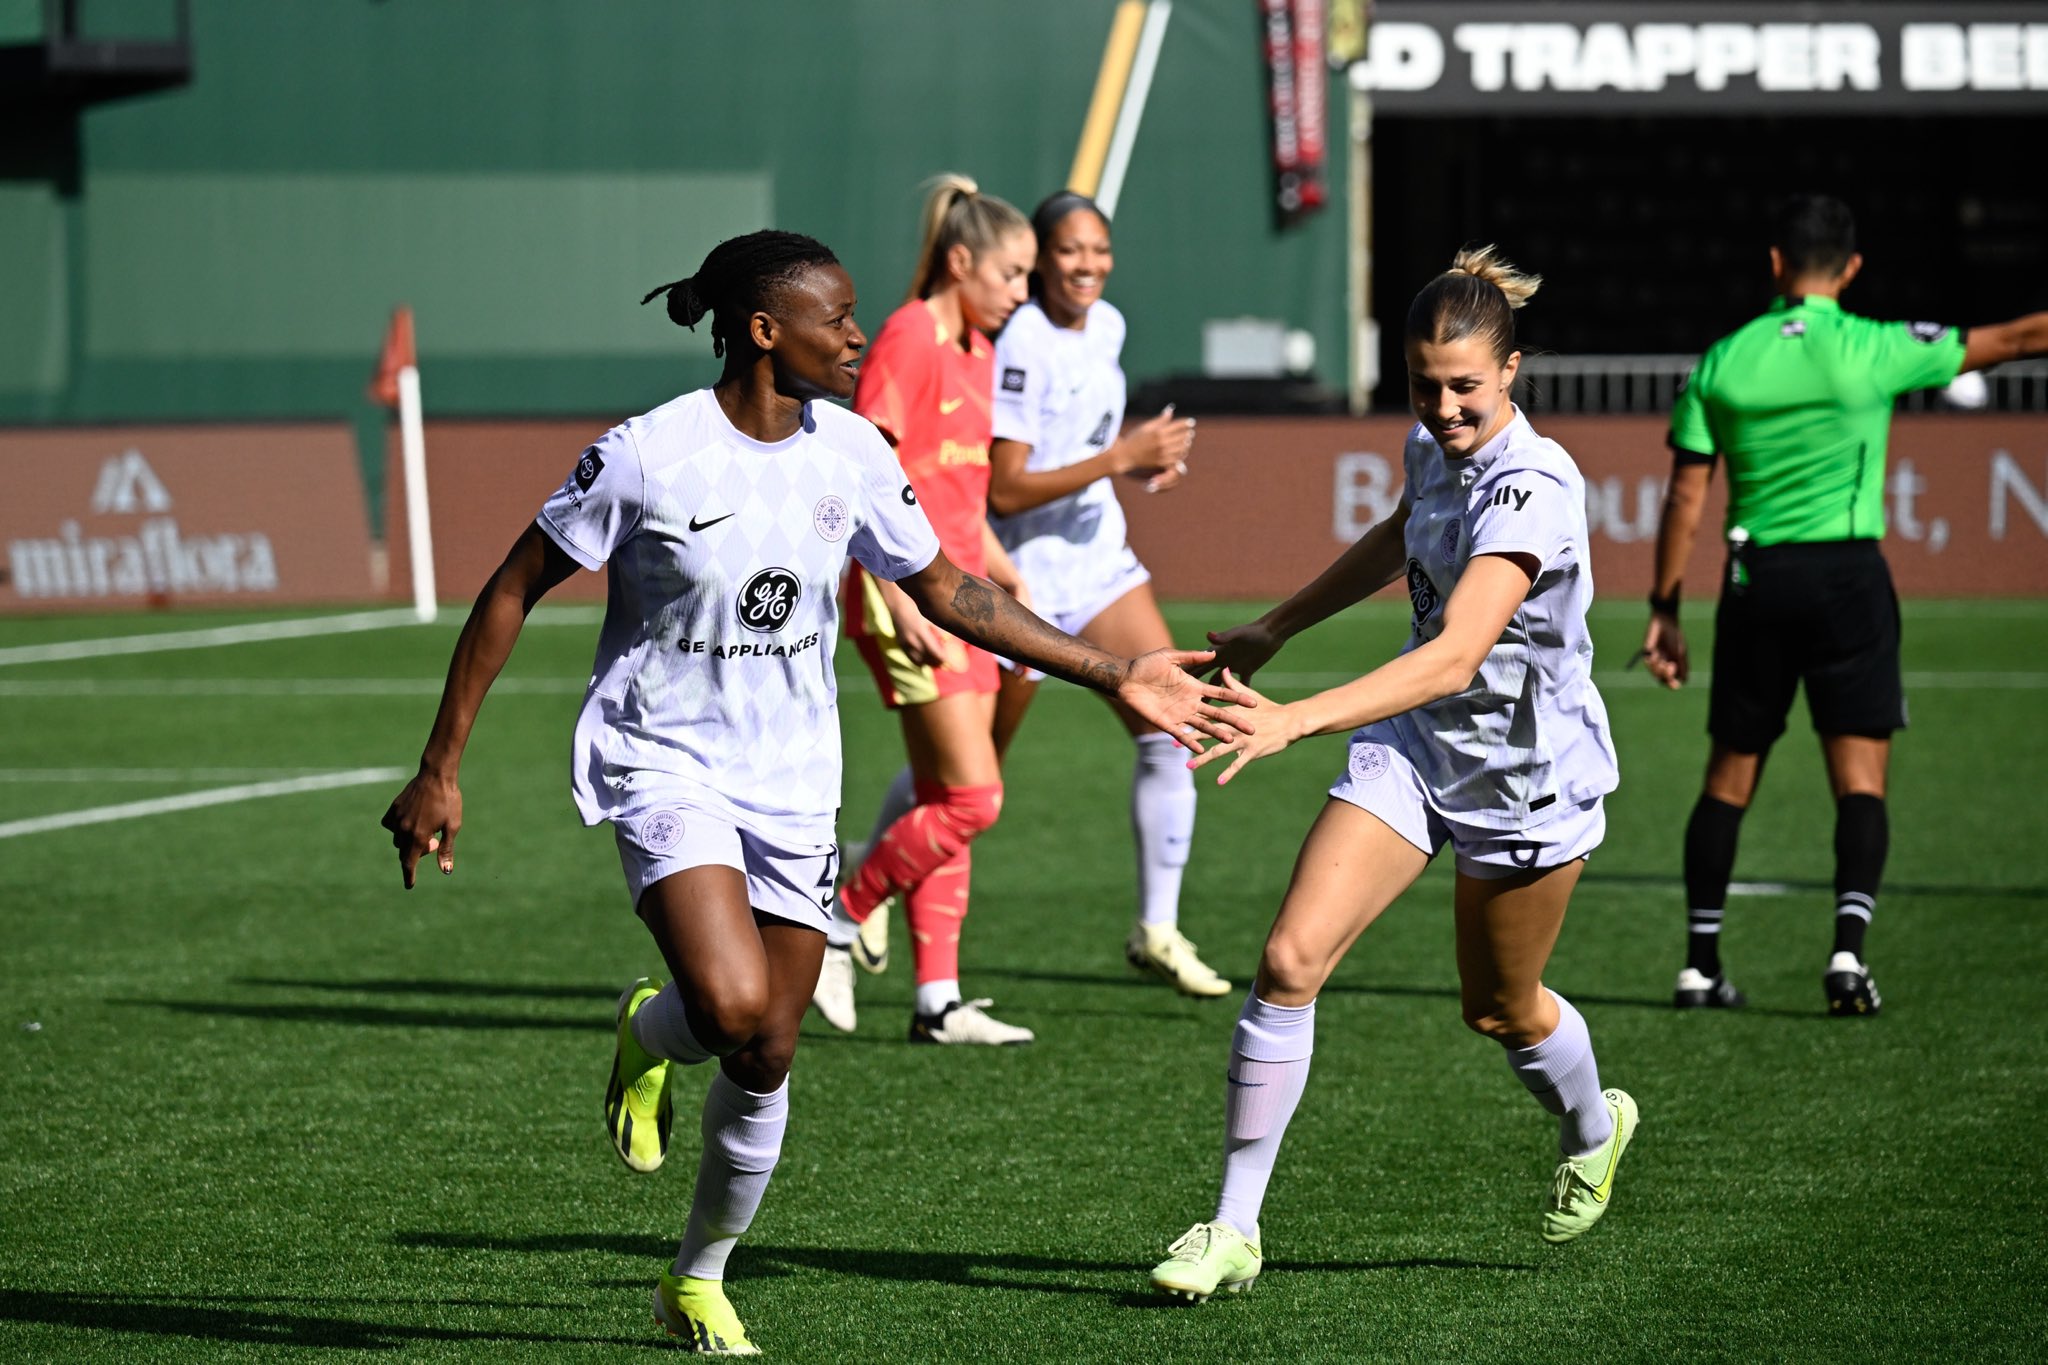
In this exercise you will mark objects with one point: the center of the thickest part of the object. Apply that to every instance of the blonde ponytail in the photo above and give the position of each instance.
(1487, 263)
(956, 212)
(1476, 297)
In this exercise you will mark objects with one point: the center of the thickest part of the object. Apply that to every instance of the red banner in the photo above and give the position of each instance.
(1295, 32)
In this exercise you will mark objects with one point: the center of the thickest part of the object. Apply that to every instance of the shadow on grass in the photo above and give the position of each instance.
(980, 1270)
(1827, 889)
(222, 1318)
(1661, 1004)
(515, 989)
(373, 1016)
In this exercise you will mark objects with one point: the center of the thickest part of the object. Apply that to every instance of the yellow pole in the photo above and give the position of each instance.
(1117, 57)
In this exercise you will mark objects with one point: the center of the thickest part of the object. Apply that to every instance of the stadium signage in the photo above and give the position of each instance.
(1567, 58)
(132, 517)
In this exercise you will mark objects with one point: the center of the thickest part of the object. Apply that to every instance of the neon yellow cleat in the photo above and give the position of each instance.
(1206, 1258)
(871, 945)
(1584, 1185)
(1165, 952)
(697, 1313)
(637, 1112)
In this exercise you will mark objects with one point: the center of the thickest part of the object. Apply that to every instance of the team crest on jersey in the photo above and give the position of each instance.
(830, 519)
(1368, 761)
(588, 468)
(1421, 593)
(1926, 333)
(768, 599)
(1450, 541)
(1013, 379)
(660, 831)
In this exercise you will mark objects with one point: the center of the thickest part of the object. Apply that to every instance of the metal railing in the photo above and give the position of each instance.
(1650, 383)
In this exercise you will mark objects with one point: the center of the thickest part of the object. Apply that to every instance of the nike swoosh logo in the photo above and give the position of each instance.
(948, 406)
(696, 525)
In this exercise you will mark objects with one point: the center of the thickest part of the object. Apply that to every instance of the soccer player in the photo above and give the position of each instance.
(1059, 406)
(1484, 733)
(1799, 403)
(926, 386)
(1059, 415)
(709, 736)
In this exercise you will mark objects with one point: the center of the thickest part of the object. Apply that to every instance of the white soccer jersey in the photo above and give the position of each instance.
(1061, 392)
(714, 674)
(1529, 736)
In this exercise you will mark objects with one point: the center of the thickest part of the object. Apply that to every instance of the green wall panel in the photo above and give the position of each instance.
(35, 331)
(238, 242)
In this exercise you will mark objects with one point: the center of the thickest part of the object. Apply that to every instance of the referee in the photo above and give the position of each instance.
(1799, 403)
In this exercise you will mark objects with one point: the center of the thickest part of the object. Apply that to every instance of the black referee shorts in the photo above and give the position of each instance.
(1824, 614)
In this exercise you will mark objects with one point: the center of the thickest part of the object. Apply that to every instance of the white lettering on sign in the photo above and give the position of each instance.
(1793, 58)
(1607, 508)
(155, 559)
(2009, 479)
(1365, 494)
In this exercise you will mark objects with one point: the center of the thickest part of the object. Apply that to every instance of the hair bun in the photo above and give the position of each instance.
(1487, 263)
(686, 305)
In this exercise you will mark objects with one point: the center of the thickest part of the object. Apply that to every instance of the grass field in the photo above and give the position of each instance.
(259, 1104)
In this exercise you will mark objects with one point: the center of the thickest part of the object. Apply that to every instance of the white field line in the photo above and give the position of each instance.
(156, 642)
(41, 776)
(851, 682)
(219, 796)
(1759, 889)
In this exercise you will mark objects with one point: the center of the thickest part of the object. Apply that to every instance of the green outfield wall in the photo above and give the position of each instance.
(520, 171)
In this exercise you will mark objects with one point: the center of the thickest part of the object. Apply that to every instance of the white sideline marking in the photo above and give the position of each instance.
(1633, 680)
(1759, 889)
(219, 796)
(272, 687)
(158, 641)
(38, 776)
(298, 628)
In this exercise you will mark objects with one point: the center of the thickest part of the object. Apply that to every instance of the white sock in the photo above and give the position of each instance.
(1163, 822)
(842, 929)
(1269, 1056)
(1561, 1073)
(896, 803)
(934, 996)
(742, 1142)
(662, 1026)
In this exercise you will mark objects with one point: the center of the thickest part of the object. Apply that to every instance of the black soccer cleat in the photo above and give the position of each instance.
(1698, 991)
(1852, 994)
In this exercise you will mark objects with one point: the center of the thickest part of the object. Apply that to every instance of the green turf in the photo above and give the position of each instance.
(277, 1109)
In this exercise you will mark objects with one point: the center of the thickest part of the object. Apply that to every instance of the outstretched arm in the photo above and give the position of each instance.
(1154, 685)
(1374, 560)
(1664, 650)
(1488, 593)
(2019, 339)
(426, 815)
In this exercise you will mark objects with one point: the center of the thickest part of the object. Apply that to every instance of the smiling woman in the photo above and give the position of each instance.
(709, 735)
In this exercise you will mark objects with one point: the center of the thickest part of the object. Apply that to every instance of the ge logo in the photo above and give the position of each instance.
(767, 600)
(1421, 592)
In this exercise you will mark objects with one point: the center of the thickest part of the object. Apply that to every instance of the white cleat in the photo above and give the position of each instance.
(1165, 952)
(833, 995)
(963, 1021)
(871, 945)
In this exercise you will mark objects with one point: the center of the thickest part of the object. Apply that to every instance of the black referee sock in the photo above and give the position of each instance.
(1709, 862)
(1862, 838)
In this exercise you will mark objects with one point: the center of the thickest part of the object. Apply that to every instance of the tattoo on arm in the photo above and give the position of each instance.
(996, 621)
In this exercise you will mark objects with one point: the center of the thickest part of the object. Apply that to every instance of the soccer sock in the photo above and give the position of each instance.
(896, 803)
(1561, 1073)
(662, 1026)
(742, 1142)
(1709, 862)
(1269, 1057)
(934, 996)
(1163, 822)
(942, 823)
(1862, 838)
(935, 909)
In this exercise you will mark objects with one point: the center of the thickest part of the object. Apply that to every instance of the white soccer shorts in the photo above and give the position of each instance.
(660, 837)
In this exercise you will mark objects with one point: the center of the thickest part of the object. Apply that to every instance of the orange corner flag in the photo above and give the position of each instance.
(398, 353)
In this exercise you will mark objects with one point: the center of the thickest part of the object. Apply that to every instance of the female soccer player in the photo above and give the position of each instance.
(709, 736)
(926, 385)
(1059, 412)
(1485, 733)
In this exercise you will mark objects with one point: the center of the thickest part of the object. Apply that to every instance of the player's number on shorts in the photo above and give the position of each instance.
(827, 882)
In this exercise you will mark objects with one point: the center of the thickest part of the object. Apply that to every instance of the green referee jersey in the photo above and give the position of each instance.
(1799, 403)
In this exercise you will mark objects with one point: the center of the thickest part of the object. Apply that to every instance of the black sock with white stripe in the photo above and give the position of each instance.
(1709, 862)
(1862, 838)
